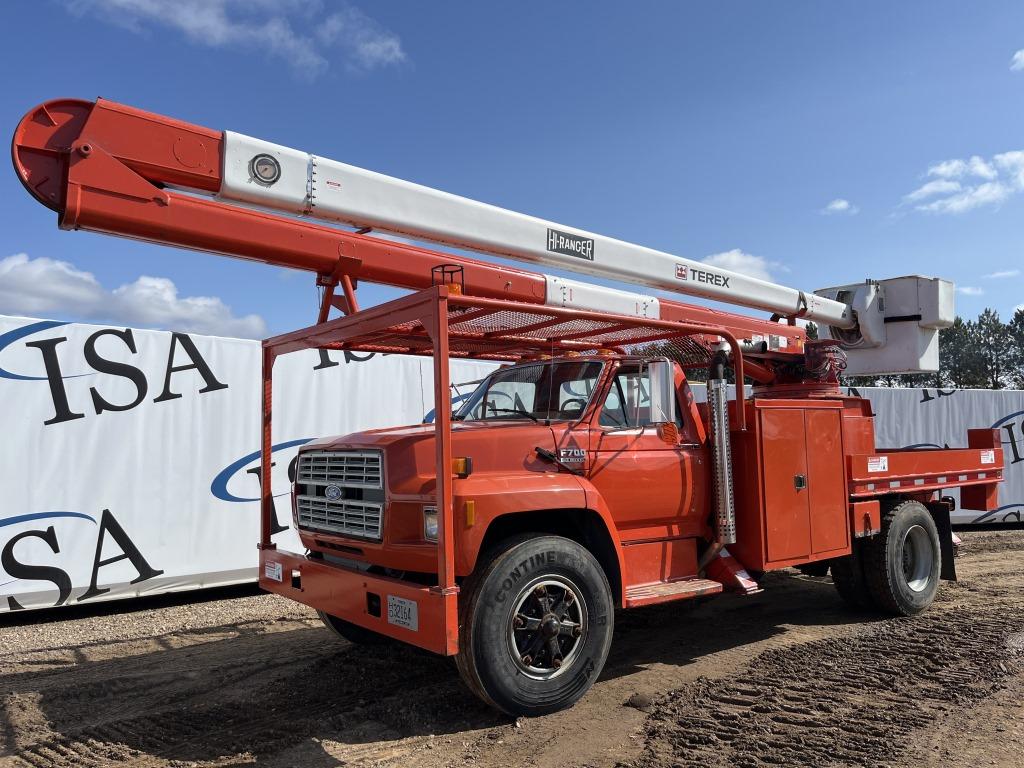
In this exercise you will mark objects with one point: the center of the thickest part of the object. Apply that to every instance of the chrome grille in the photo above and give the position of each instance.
(354, 469)
(348, 517)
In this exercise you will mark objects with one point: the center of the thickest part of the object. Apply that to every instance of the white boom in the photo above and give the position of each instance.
(326, 189)
(887, 326)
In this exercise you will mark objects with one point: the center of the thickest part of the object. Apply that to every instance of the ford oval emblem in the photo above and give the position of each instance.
(332, 492)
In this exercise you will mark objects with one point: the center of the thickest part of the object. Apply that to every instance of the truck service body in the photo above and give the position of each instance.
(582, 475)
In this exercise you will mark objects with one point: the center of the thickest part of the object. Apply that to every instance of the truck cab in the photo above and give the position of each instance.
(566, 444)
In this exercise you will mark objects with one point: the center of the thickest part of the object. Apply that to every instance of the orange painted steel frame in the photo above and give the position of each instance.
(341, 591)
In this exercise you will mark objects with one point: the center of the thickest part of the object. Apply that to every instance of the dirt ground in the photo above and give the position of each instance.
(788, 677)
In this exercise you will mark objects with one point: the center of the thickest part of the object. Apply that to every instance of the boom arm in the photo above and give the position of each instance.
(109, 168)
(106, 167)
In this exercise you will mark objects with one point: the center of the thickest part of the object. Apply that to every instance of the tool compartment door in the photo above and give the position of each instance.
(826, 487)
(786, 501)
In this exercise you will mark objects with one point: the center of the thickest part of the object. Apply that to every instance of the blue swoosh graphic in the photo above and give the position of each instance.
(42, 516)
(429, 418)
(10, 337)
(1006, 418)
(219, 486)
(996, 511)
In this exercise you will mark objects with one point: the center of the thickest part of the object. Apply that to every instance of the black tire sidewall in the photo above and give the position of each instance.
(353, 632)
(505, 684)
(909, 601)
(848, 578)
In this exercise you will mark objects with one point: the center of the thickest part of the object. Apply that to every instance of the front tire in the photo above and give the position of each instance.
(536, 625)
(352, 632)
(902, 563)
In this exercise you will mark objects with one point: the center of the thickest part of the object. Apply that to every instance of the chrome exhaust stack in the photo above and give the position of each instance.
(721, 459)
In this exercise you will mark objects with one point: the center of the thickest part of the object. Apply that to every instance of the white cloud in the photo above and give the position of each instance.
(1017, 62)
(989, 193)
(1001, 274)
(746, 264)
(955, 169)
(839, 205)
(1013, 164)
(274, 27)
(370, 44)
(43, 286)
(931, 188)
(960, 185)
(969, 290)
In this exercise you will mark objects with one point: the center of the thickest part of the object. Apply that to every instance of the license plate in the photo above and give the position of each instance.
(273, 571)
(403, 613)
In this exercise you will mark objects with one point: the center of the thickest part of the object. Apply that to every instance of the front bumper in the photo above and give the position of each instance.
(378, 603)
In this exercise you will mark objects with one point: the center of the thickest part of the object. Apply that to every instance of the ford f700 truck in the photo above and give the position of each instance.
(578, 481)
(583, 475)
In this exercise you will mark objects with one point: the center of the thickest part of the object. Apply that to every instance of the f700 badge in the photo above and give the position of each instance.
(570, 455)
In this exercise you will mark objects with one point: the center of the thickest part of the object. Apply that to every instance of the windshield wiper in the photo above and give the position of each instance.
(519, 411)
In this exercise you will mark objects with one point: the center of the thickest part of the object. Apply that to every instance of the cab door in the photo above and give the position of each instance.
(653, 489)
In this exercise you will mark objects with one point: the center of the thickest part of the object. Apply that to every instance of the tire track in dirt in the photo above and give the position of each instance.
(785, 677)
(849, 701)
(257, 710)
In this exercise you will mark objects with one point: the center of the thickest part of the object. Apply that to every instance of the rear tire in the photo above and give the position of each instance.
(848, 578)
(536, 625)
(817, 570)
(902, 563)
(352, 632)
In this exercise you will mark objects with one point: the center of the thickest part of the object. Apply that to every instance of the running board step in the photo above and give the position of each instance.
(662, 592)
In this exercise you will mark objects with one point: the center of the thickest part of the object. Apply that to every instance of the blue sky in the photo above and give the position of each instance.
(707, 129)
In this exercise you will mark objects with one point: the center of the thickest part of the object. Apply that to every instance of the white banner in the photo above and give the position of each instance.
(129, 458)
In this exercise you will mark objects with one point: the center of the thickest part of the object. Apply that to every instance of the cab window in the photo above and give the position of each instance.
(556, 390)
(628, 402)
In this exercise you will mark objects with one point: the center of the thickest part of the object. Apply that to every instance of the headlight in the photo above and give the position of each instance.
(430, 523)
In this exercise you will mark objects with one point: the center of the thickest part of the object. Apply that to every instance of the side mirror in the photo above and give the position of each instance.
(662, 376)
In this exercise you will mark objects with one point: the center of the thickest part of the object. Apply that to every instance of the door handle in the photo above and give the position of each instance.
(799, 482)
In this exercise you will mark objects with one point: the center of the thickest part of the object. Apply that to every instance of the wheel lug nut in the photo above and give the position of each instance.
(527, 659)
(556, 663)
(577, 631)
(539, 591)
(518, 623)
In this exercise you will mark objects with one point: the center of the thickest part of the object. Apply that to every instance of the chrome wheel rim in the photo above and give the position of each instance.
(917, 558)
(547, 627)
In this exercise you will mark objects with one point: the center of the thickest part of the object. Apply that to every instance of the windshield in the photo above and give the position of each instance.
(547, 391)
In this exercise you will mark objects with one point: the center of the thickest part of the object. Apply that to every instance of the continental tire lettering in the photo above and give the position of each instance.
(523, 568)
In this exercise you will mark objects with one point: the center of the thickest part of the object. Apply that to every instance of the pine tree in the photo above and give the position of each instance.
(1016, 358)
(994, 348)
(959, 362)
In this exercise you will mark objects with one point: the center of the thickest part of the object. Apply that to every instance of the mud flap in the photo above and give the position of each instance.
(940, 513)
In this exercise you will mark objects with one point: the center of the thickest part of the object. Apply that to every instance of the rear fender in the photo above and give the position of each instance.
(940, 513)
